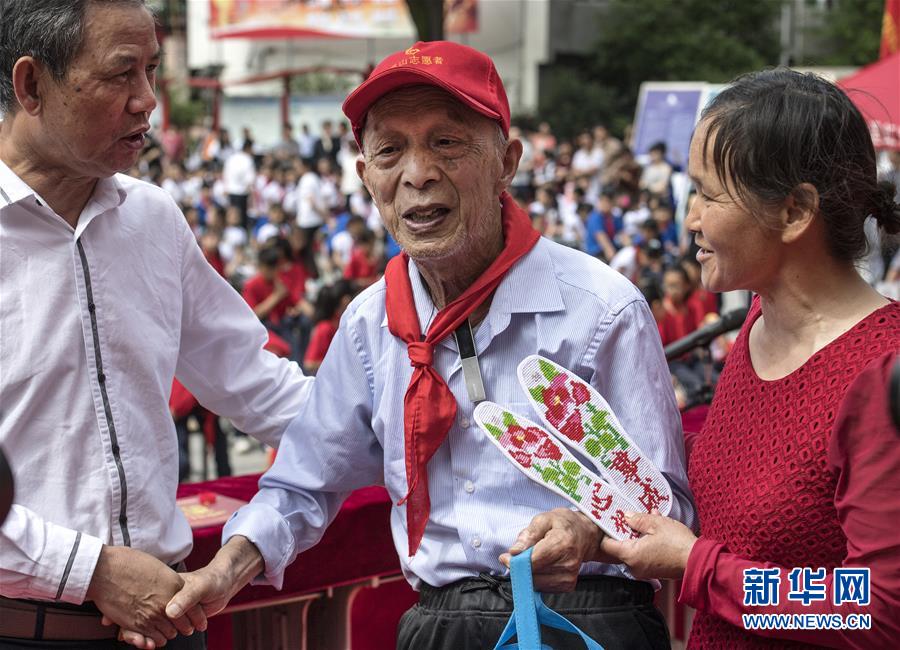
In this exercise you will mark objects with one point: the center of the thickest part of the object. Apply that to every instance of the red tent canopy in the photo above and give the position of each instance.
(876, 92)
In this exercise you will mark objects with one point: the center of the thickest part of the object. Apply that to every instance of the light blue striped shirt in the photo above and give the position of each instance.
(556, 302)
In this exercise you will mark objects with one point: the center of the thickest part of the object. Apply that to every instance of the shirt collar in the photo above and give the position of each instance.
(529, 287)
(108, 195)
(12, 188)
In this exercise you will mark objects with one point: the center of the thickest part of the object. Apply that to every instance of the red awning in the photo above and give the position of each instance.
(876, 92)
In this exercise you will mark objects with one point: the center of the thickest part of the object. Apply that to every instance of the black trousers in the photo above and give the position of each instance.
(240, 201)
(470, 615)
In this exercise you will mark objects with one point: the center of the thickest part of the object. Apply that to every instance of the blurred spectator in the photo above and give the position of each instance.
(587, 162)
(658, 173)
(330, 305)
(343, 242)
(701, 301)
(234, 236)
(680, 320)
(265, 292)
(603, 226)
(275, 226)
(307, 144)
(543, 140)
(363, 266)
(209, 244)
(184, 406)
(238, 176)
(287, 148)
(351, 183)
(328, 144)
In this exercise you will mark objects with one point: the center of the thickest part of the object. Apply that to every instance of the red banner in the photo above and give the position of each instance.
(329, 18)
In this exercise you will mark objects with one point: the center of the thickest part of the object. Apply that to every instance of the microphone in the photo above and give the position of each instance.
(6, 487)
(729, 321)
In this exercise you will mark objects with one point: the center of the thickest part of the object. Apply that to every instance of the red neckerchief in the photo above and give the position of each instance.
(429, 407)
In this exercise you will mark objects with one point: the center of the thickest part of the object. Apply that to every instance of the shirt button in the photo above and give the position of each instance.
(476, 542)
(465, 423)
(101, 378)
(470, 487)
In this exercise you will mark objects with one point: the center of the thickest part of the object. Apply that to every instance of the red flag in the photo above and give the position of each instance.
(890, 28)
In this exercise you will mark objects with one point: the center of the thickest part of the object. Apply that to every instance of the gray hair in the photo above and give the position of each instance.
(51, 31)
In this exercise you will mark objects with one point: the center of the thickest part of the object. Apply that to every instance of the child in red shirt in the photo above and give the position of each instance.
(265, 292)
(680, 319)
(330, 305)
(362, 267)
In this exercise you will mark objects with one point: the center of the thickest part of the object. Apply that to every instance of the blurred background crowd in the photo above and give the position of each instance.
(250, 142)
(292, 228)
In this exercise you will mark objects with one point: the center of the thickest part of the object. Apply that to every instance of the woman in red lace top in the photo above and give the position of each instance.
(785, 174)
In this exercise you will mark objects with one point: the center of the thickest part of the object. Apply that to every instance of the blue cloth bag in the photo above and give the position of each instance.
(530, 612)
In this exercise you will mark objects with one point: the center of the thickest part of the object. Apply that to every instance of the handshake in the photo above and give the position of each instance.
(152, 604)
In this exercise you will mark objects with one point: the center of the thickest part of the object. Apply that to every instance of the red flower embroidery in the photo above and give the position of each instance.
(548, 450)
(557, 400)
(580, 393)
(520, 438)
(573, 428)
(522, 458)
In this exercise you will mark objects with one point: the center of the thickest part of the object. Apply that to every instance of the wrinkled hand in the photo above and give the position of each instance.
(131, 589)
(662, 551)
(562, 541)
(207, 591)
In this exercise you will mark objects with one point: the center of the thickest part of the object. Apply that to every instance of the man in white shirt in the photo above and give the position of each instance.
(105, 297)
(238, 174)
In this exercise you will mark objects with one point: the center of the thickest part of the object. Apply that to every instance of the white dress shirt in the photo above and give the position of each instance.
(556, 302)
(94, 323)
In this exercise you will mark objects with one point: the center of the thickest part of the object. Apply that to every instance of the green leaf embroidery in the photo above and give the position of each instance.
(571, 468)
(537, 394)
(548, 370)
(509, 420)
(494, 430)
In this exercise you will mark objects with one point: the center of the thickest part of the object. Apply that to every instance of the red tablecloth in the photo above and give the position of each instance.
(357, 545)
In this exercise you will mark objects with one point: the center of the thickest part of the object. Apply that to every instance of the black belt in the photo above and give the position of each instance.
(32, 619)
(55, 621)
(488, 593)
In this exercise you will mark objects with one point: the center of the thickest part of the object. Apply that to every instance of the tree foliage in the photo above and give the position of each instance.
(661, 40)
(852, 31)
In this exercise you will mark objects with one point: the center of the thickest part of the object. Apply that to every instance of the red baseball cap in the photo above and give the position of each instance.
(465, 73)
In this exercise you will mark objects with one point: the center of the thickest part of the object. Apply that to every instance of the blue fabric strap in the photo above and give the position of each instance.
(530, 612)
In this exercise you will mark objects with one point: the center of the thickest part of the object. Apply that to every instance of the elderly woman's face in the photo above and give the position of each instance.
(737, 251)
(433, 167)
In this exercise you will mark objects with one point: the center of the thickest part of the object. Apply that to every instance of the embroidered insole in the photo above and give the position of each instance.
(574, 411)
(542, 458)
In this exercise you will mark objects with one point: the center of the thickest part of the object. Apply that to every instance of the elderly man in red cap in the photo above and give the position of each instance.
(393, 400)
